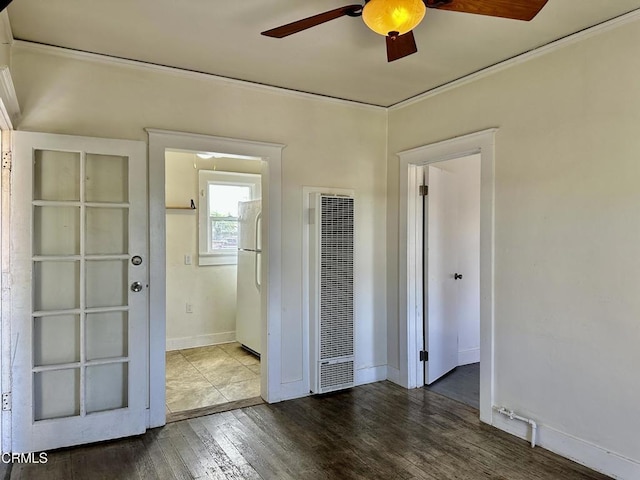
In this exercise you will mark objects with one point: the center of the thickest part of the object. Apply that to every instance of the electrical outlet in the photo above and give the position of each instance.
(189, 308)
(187, 259)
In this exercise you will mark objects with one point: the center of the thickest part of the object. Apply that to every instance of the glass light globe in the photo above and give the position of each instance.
(386, 16)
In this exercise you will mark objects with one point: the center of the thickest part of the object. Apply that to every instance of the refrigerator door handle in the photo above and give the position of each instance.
(256, 276)
(258, 251)
(257, 245)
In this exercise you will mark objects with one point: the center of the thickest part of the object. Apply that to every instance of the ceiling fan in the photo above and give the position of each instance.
(396, 19)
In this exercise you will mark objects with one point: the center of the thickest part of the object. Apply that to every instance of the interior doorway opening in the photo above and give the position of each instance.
(451, 278)
(411, 326)
(270, 159)
(213, 282)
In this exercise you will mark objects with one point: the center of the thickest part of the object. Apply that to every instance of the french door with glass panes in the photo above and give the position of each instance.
(79, 290)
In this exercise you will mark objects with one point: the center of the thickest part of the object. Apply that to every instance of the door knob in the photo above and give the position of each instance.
(136, 287)
(457, 276)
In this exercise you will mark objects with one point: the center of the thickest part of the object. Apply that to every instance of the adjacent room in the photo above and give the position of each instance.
(213, 245)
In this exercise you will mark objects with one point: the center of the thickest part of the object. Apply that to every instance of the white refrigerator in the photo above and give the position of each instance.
(248, 304)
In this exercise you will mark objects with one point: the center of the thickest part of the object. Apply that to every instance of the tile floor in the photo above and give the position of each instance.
(212, 375)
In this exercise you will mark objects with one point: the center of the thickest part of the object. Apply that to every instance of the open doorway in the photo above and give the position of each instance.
(410, 266)
(451, 283)
(213, 282)
(270, 157)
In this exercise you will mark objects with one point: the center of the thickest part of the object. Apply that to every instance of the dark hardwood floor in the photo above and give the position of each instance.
(376, 431)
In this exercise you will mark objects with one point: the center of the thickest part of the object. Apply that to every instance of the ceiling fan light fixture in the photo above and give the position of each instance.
(393, 16)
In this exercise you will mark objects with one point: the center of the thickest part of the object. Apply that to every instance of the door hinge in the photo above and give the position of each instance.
(6, 401)
(424, 356)
(6, 161)
(424, 190)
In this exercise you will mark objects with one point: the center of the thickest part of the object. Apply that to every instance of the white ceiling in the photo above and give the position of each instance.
(341, 59)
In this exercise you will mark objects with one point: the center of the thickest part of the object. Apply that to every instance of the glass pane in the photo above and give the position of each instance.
(56, 285)
(56, 339)
(107, 387)
(56, 231)
(106, 178)
(56, 394)
(107, 230)
(224, 233)
(56, 175)
(223, 199)
(107, 335)
(107, 283)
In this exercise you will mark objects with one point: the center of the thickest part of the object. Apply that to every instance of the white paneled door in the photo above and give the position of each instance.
(79, 290)
(442, 260)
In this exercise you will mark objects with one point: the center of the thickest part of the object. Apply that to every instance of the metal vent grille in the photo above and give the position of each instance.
(336, 278)
(334, 375)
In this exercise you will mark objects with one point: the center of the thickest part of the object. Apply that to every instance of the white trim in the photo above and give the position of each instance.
(228, 256)
(370, 374)
(135, 64)
(291, 390)
(5, 289)
(181, 343)
(523, 57)
(603, 27)
(467, 357)
(6, 36)
(393, 375)
(9, 107)
(410, 327)
(271, 154)
(580, 451)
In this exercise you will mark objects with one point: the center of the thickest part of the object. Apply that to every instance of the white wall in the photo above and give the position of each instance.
(567, 235)
(210, 290)
(328, 144)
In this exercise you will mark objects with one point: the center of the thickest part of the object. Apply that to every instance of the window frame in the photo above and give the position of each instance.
(207, 256)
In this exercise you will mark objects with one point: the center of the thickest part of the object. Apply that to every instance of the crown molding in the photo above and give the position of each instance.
(6, 34)
(135, 64)
(603, 27)
(9, 107)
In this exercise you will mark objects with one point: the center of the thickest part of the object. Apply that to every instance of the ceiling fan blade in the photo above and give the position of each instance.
(300, 25)
(401, 46)
(4, 4)
(514, 9)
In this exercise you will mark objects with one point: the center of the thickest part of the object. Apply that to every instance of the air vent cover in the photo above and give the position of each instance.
(332, 309)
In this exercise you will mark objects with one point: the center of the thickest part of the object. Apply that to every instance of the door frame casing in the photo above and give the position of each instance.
(271, 153)
(410, 268)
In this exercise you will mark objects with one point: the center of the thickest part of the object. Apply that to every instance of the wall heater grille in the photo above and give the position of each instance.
(333, 312)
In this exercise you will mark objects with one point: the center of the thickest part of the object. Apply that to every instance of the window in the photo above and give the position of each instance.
(220, 193)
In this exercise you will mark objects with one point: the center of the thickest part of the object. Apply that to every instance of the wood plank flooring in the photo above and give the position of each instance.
(376, 431)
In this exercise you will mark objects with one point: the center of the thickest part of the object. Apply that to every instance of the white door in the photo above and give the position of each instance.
(441, 333)
(79, 290)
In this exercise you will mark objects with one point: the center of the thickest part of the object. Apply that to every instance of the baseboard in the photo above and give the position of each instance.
(200, 340)
(466, 357)
(371, 374)
(580, 451)
(393, 375)
(291, 390)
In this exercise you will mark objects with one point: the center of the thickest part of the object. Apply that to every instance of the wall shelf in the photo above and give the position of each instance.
(192, 207)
